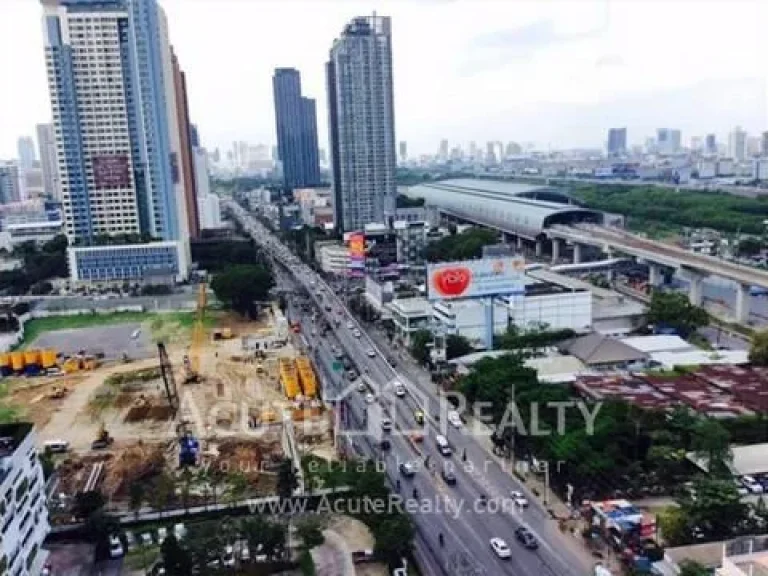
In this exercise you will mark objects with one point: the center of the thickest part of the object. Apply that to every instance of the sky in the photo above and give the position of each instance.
(555, 74)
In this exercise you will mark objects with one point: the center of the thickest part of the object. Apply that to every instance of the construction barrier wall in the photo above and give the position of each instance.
(289, 378)
(306, 376)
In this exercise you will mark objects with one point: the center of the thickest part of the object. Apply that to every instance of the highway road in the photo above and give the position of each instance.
(467, 534)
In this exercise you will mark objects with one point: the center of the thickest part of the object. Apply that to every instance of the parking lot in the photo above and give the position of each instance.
(113, 341)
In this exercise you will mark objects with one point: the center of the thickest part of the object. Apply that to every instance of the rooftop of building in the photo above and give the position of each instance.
(11, 437)
(597, 349)
(412, 306)
(521, 208)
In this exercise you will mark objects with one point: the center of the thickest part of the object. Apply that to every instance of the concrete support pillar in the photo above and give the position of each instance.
(743, 303)
(489, 324)
(555, 250)
(520, 244)
(695, 294)
(577, 253)
(538, 248)
(655, 278)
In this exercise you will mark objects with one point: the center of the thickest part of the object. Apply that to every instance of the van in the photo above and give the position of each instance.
(56, 446)
(443, 446)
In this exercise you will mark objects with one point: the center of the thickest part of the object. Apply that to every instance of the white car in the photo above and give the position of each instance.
(519, 499)
(371, 353)
(369, 398)
(162, 534)
(386, 425)
(454, 419)
(399, 390)
(245, 553)
(357, 333)
(115, 547)
(361, 387)
(350, 326)
(500, 548)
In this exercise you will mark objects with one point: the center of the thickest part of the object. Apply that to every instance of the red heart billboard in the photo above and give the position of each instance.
(452, 282)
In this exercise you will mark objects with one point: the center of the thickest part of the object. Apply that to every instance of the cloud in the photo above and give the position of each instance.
(609, 61)
(493, 50)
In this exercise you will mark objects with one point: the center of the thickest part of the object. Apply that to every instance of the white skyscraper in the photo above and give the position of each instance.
(46, 143)
(362, 123)
(26, 149)
(737, 144)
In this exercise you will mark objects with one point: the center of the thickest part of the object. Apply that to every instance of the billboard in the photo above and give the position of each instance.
(356, 253)
(476, 278)
(111, 171)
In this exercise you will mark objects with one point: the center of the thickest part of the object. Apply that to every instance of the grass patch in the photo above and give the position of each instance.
(8, 412)
(142, 557)
(163, 326)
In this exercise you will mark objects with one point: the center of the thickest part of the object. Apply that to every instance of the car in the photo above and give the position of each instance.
(115, 547)
(399, 389)
(350, 326)
(245, 552)
(369, 398)
(386, 425)
(448, 476)
(228, 556)
(371, 353)
(146, 538)
(356, 333)
(385, 444)
(500, 548)
(361, 387)
(454, 419)
(526, 538)
(351, 375)
(418, 417)
(407, 469)
(519, 499)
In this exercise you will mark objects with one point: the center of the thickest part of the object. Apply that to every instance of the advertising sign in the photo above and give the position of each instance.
(111, 171)
(476, 278)
(356, 254)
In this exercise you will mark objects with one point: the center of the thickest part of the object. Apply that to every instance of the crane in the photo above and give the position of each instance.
(192, 359)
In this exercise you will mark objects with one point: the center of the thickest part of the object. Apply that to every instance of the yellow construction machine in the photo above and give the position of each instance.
(192, 359)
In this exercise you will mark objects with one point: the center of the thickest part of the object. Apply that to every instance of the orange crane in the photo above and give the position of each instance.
(192, 359)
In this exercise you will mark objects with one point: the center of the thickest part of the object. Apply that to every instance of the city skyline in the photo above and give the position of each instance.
(601, 52)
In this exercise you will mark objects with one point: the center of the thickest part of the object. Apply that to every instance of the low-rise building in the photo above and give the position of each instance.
(152, 263)
(760, 169)
(411, 242)
(332, 257)
(468, 318)
(410, 315)
(552, 306)
(209, 208)
(23, 511)
(38, 232)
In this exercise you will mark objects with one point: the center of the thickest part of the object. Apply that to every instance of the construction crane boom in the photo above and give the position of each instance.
(192, 361)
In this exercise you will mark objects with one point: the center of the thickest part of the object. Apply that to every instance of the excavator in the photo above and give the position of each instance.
(103, 439)
(192, 359)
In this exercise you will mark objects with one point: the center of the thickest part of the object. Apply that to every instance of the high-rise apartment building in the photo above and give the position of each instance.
(617, 141)
(24, 512)
(490, 153)
(296, 121)
(186, 161)
(764, 144)
(112, 95)
(737, 144)
(46, 143)
(473, 150)
(362, 123)
(668, 141)
(26, 149)
(710, 144)
(403, 151)
(676, 137)
(10, 190)
(443, 149)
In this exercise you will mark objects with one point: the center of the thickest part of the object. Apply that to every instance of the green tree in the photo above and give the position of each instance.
(457, 346)
(514, 339)
(310, 533)
(393, 533)
(693, 568)
(711, 442)
(673, 525)
(758, 351)
(749, 246)
(673, 309)
(715, 506)
(237, 487)
(176, 560)
(88, 503)
(465, 246)
(240, 287)
(420, 342)
(287, 482)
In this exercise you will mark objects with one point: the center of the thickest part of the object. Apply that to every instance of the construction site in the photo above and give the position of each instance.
(231, 400)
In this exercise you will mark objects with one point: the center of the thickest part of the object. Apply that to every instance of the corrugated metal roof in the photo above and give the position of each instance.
(596, 349)
(658, 343)
(500, 204)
